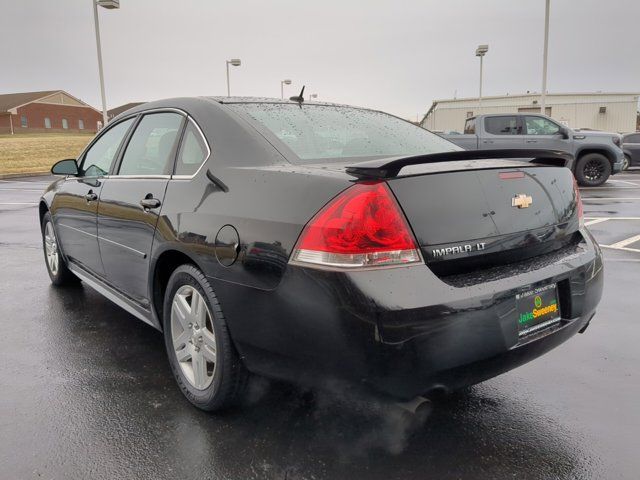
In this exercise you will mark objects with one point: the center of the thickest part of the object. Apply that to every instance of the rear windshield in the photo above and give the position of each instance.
(325, 132)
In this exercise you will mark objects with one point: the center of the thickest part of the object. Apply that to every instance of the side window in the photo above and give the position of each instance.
(541, 126)
(502, 125)
(98, 159)
(150, 149)
(193, 152)
(65, 123)
(23, 121)
(470, 126)
(47, 122)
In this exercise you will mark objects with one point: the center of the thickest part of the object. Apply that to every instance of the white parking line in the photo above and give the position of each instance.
(18, 203)
(608, 188)
(624, 243)
(612, 218)
(621, 245)
(595, 220)
(623, 181)
(624, 249)
(610, 198)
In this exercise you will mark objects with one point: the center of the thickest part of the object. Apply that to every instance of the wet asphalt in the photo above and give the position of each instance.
(86, 391)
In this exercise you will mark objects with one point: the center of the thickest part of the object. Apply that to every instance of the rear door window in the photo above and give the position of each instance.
(98, 159)
(634, 138)
(470, 126)
(151, 149)
(507, 125)
(193, 151)
(541, 126)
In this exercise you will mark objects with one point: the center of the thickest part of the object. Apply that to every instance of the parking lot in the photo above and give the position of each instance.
(87, 391)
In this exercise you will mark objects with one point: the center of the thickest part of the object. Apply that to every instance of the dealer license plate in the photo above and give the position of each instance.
(537, 309)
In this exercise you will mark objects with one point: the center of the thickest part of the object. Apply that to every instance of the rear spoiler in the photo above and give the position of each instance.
(390, 167)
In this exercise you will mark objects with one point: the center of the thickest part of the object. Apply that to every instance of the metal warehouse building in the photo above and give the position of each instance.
(613, 112)
(49, 111)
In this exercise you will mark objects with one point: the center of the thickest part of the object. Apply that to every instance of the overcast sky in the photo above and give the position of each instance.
(397, 55)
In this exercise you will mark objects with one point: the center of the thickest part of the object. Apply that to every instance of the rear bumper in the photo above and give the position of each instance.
(484, 369)
(429, 365)
(404, 331)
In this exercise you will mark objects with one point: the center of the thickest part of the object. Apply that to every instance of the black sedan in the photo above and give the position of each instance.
(319, 243)
(631, 149)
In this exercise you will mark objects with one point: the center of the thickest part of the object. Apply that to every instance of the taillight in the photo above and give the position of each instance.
(361, 227)
(579, 206)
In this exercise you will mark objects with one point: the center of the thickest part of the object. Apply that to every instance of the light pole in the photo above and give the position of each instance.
(282, 84)
(543, 96)
(236, 63)
(109, 5)
(481, 52)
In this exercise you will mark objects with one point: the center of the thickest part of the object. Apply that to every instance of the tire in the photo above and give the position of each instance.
(57, 269)
(626, 163)
(196, 334)
(593, 169)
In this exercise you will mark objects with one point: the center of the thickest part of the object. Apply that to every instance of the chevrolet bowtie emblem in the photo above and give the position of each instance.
(521, 201)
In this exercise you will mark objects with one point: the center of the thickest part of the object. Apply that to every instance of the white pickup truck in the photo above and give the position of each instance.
(597, 154)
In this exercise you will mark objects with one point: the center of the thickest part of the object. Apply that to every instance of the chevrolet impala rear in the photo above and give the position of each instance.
(428, 268)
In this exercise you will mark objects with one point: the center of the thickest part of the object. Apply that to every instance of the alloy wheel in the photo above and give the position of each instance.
(593, 170)
(193, 337)
(51, 249)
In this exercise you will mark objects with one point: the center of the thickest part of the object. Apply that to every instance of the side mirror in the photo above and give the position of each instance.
(564, 132)
(65, 167)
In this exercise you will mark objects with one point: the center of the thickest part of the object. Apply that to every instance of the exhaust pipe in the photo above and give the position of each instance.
(419, 407)
(586, 325)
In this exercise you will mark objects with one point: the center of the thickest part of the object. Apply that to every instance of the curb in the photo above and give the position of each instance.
(18, 175)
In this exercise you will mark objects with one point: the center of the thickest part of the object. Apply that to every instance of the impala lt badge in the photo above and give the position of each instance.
(522, 200)
(466, 248)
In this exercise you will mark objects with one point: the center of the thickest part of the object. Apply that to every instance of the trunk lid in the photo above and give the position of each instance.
(470, 219)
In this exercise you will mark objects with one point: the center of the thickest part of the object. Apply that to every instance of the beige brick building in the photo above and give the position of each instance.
(613, 112)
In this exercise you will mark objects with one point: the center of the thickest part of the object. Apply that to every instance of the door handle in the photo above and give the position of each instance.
(532, 141)
(90, 196)
(149, 203)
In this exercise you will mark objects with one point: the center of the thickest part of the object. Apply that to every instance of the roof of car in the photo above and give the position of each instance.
(275, 100)
(249, 100)
(183, 102)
